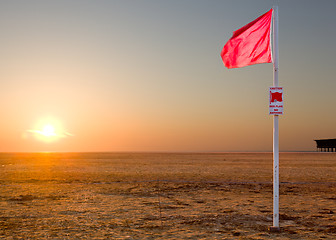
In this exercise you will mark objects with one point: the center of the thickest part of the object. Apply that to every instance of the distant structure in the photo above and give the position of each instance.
(326, 145)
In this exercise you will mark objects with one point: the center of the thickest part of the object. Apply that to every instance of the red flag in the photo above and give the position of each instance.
(250, 44)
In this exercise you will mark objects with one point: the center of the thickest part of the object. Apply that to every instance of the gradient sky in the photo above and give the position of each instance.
(146, 75)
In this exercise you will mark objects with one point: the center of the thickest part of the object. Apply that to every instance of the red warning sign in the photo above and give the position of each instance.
(275, 100)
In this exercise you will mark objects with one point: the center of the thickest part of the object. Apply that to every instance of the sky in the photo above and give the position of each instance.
(146, 75)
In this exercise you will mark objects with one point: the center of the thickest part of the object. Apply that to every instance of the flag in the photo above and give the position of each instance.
(250, 44)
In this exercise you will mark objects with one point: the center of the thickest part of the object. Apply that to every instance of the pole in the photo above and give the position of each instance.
(275, 226)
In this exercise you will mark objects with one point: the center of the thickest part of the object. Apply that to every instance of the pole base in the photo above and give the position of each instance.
(274, 229)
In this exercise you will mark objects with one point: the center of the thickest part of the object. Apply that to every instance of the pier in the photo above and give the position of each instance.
(326, 145)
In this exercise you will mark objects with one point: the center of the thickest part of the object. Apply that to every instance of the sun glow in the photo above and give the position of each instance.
(49, 130)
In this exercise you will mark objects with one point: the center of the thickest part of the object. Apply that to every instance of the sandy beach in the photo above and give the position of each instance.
(165, 196)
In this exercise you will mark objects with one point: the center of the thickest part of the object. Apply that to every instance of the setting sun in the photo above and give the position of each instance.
(49, 130)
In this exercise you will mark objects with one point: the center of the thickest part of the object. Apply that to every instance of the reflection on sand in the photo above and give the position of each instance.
(165, 195)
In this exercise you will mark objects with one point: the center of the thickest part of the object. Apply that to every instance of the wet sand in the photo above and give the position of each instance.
(165, 196)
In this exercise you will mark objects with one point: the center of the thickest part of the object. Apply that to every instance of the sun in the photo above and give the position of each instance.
(46, 133)
(49, 130)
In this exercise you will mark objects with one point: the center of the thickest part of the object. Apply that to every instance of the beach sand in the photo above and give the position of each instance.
(165, 196)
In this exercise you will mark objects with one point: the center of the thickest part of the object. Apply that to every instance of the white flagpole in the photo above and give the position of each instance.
(275, 226)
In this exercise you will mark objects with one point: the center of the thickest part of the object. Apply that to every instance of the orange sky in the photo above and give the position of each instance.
(147, 76)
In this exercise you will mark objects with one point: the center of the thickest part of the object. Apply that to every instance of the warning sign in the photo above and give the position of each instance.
(275, 100)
